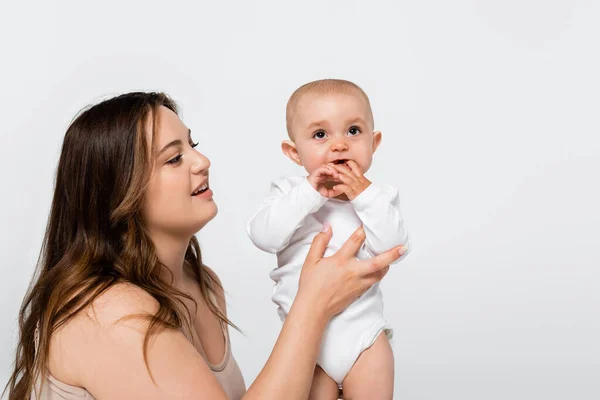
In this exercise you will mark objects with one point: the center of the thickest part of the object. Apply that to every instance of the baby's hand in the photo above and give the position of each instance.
(353, 181)
(323, 178)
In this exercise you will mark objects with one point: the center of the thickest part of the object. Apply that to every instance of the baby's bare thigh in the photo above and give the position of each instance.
(372, 375)
(323, 387)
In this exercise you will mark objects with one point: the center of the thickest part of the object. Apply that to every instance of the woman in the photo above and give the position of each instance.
(122, 306)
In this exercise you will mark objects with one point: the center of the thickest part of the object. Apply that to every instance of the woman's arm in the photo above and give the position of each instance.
(102, 350)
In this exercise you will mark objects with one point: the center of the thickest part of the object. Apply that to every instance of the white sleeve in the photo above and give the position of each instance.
(282, 213)
(379, 210)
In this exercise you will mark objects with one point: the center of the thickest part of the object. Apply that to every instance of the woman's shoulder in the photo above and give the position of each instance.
(104, 349)
(212, 274)
(92, 330)
(115, 304)
(119, 301)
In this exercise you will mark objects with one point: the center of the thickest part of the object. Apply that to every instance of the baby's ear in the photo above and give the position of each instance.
(289, 149)
(376, 140)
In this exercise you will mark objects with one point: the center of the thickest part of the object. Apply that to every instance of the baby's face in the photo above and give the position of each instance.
(333, 128)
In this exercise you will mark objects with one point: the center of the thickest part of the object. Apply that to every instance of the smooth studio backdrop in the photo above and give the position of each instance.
(490, 120)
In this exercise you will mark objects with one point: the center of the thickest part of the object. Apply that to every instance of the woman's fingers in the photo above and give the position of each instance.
(376, 276)
(350, 248)
(318, 246)
(381, 261)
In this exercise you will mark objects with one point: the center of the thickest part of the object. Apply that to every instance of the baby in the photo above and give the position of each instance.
(330, 126)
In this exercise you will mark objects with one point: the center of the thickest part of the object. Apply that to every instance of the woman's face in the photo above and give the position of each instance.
(178, 201)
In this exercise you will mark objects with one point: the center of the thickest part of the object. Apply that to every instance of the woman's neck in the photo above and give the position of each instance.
(171, 252)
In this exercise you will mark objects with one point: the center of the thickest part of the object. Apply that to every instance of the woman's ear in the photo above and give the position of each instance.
(289, 149)
(376, 140)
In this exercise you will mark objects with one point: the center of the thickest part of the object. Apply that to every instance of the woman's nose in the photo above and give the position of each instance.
(200, 163)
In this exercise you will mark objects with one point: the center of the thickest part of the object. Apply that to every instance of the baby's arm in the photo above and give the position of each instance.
(379, 210)
(282, 213)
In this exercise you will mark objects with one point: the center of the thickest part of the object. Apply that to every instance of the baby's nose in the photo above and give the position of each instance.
(339, 145)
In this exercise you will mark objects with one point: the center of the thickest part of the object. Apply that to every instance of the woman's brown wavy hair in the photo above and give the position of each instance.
(96, 238)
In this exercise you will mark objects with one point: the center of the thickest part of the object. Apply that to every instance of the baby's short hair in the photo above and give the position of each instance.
(323, 86)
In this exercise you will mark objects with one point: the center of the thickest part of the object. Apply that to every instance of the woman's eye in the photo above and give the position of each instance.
(353, 131)
(175, 159)
(194, 144)
(319, 135)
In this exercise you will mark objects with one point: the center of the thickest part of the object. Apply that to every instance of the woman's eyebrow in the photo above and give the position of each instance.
(176, 142)
(171, 144)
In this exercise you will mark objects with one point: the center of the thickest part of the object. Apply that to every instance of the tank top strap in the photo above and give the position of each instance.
(227, 353)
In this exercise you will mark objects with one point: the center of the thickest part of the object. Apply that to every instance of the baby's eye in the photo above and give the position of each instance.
(353, 131)
(319, 135)
(175, 160)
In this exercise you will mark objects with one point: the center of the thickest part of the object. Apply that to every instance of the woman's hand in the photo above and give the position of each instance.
(332, 283)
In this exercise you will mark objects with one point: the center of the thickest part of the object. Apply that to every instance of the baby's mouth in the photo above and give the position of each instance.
(339, 162)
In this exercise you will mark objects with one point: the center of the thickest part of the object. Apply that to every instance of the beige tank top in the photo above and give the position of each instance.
(227, 373)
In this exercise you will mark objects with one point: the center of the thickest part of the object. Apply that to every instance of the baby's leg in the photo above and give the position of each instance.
(323, 387)
(372, 375)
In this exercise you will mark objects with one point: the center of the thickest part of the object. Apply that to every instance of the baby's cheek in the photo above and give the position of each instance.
(310, 167)
(365, 162)
(313, 162)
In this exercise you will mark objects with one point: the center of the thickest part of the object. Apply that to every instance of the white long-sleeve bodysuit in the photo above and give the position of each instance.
(286, 224)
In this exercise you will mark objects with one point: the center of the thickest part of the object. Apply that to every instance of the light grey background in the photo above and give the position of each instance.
(490, 120)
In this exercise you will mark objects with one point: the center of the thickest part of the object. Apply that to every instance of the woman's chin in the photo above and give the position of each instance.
(207, 216)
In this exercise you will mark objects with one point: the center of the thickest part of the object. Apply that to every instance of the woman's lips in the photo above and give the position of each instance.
(207, 194)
